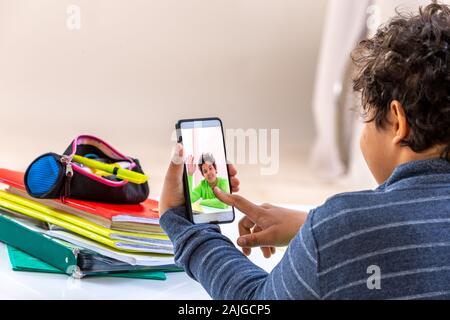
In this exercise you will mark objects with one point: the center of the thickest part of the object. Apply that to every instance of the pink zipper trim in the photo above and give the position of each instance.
(98, 178)
(86, 138)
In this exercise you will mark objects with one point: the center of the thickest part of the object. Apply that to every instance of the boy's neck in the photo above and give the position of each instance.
(407, 155)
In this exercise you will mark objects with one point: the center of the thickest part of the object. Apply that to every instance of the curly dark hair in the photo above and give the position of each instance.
(408, 60)
(207, 158)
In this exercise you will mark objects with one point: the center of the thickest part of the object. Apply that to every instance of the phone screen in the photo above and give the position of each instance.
(205, 168)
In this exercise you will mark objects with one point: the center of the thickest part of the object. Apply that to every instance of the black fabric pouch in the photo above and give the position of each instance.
(53, 176)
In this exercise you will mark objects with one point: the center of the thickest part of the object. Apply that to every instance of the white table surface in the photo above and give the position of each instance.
(178, 286)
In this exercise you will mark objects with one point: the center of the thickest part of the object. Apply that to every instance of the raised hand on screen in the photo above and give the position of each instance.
(190, 164)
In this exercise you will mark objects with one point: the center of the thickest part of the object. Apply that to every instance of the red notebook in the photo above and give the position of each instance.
(127, 215)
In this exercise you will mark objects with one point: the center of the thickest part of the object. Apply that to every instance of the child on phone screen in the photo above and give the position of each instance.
(204, 191)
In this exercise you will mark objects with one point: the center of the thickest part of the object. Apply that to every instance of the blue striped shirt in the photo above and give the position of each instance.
(389, 243)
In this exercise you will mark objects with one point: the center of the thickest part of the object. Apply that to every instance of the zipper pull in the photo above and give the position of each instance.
(67, 161)
(69, 174)
(69, 170)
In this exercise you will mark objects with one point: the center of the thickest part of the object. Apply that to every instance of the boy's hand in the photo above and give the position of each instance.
(172, 195)
(263, 226)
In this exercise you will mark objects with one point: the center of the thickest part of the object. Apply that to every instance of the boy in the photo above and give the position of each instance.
(388, 243)
(204, 191)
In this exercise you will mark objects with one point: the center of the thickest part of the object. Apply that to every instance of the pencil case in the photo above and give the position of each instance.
(53, 176)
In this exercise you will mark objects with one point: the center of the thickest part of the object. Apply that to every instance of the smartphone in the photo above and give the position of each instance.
(205, 168)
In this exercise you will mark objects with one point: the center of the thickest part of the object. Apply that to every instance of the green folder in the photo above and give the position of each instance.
(21, 261)
(60, 256)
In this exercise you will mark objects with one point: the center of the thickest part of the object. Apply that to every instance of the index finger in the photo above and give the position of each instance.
(248, 208)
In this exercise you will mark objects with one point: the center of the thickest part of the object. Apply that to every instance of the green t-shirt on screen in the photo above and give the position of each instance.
(205, 192)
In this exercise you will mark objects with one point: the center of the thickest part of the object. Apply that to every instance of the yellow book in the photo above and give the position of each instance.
(197, 208)
(126, 241)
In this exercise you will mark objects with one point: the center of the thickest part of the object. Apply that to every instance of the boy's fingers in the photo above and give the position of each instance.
(172, 192)
(234, 181)
(235, 184)
(259, 239)
(267, 253)
(268, 206)
(177, 155)
(242, 204)
(175, 170)
(235, 189)
(232, 170)
(245, 226)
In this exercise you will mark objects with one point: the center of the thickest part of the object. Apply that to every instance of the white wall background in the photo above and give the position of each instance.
(135, 67)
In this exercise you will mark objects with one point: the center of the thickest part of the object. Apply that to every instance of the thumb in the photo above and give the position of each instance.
(257, 239)
(176, 164)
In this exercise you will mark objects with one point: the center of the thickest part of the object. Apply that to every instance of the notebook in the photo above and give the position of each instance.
(145, 238)
(30, 236)
(142, 217)
(80, 226)
(21, 261)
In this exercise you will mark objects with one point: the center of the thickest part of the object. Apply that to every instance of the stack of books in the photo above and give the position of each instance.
(83, 238)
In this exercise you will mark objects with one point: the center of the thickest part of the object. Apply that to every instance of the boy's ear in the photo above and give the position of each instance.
(399, 121)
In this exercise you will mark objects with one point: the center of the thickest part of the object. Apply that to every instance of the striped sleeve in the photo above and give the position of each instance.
(212, 259)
